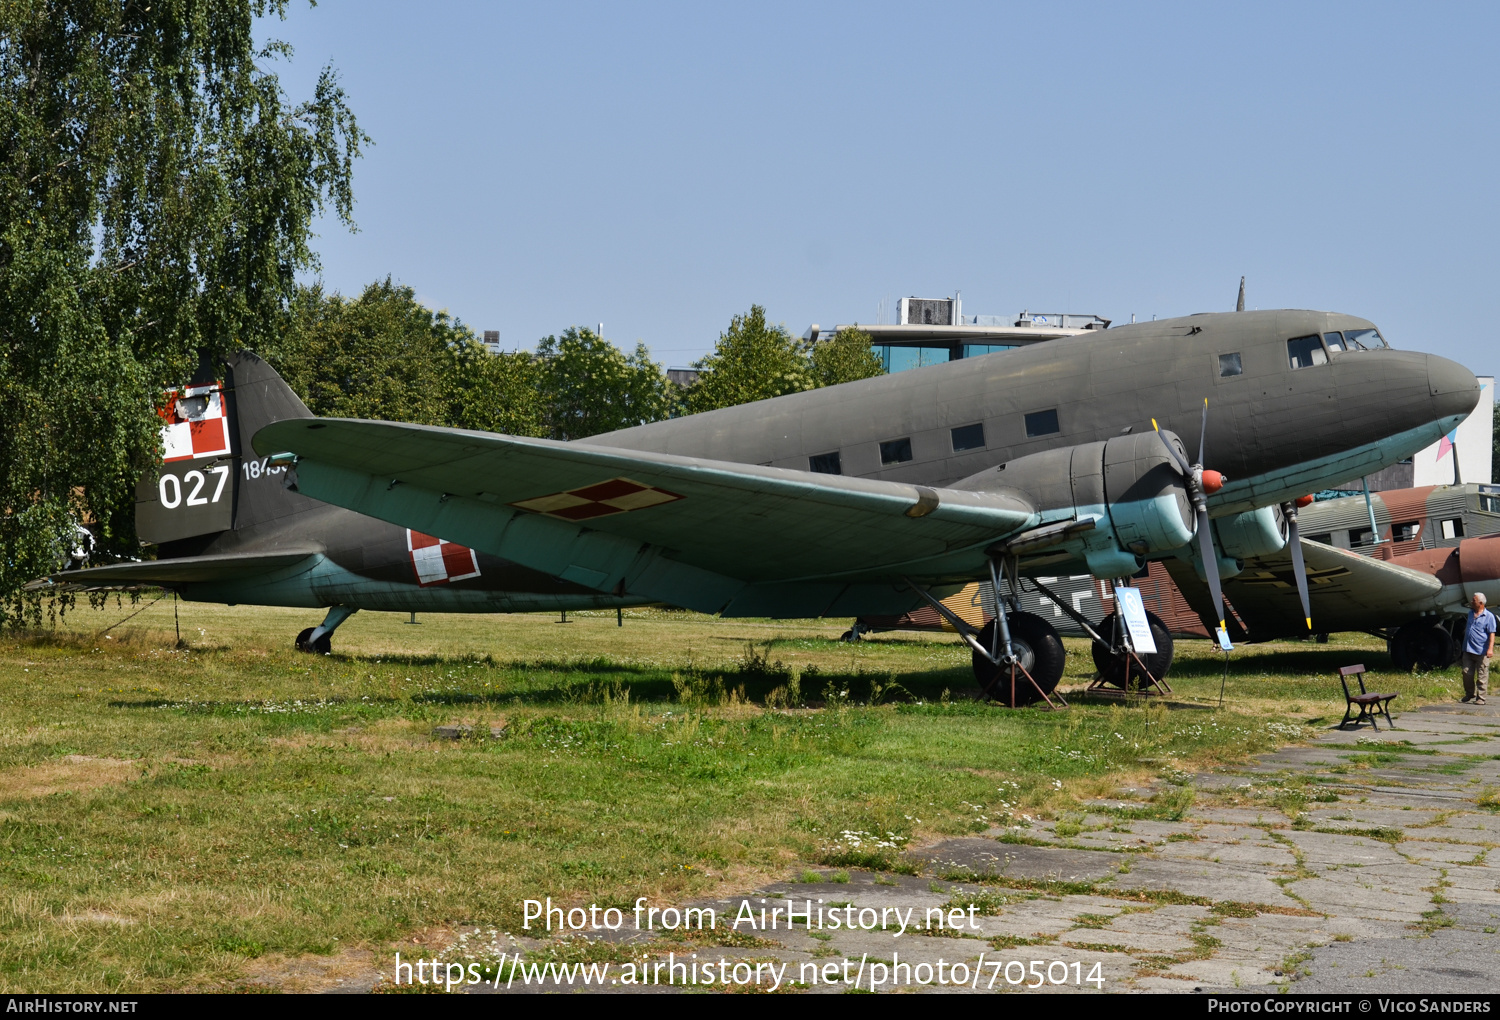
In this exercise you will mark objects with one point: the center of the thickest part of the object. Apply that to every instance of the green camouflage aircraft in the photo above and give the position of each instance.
(875, 496)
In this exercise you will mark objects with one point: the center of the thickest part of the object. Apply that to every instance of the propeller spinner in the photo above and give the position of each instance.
(1200, 485)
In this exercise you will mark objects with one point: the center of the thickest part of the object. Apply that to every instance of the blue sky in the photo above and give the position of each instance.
(661, 167)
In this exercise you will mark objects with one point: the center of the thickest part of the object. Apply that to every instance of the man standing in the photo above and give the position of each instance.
(1479, 645)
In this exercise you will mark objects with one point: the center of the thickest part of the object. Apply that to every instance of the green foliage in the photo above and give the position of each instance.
(385, 356)
(590, 386)
(753, 361)
(157, 193)
(844, 358)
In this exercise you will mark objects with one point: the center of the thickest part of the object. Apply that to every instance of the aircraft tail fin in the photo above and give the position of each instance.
(210, 480)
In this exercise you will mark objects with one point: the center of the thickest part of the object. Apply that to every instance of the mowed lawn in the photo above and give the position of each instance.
(169, 815)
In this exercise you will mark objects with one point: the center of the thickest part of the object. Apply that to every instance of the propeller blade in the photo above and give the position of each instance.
(1294, 539)
(1203, 432)
(1187, 469)
(1210, 565)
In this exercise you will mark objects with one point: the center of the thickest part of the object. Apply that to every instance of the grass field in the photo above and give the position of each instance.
(172, 817)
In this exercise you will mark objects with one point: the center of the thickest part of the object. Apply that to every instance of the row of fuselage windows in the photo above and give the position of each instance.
(1312, 350)
(1406, 531)
(963, 439)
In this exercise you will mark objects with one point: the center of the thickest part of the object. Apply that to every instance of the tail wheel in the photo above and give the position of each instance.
(1423, 645)
(1037, 647)
(305, 643)
(1112, 667)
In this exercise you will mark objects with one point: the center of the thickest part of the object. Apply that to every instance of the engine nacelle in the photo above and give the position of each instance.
(1129, 483)
(1248, 535)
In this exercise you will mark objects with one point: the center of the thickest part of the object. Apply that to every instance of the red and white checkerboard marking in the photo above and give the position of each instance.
(191, 432)
(616, 496)
(438, 562)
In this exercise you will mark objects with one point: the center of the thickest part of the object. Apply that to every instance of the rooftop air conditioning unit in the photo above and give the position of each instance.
(912, 311)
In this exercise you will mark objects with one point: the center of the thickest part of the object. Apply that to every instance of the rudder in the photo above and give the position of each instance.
(204, 485)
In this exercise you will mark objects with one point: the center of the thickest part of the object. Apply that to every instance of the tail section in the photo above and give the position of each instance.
(206, 483)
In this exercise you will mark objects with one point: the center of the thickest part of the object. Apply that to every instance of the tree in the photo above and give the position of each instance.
(589, 386)
(385, 356)
(381, 355)
(753, 361)
(845, 357)
(493, 392)
(157, 194)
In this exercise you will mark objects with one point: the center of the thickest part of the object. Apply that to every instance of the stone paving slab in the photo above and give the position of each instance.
(1330, 848)
(1241, 883)
(1448, 853)
(1373, 816)
(1446, 961)
(987, 857)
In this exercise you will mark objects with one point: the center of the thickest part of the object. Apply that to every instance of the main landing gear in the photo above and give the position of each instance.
(1038, 650)
(316, 640)
(1018, 657)
(1423, 644)
(1110, 659)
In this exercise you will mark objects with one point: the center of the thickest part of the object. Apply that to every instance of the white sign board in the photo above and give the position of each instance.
(1223, 637)
(1133, 611)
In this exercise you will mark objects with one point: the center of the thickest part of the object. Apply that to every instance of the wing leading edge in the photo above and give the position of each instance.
(709, 535)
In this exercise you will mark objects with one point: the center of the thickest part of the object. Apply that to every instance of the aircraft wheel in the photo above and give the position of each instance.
(1039, 650)
(1423, 645)
(322, 646)
(1112, 667)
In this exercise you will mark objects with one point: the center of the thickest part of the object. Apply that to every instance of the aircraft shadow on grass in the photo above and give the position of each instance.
(600, 682)
(1308, 664)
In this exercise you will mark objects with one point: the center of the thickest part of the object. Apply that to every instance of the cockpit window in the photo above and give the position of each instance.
(1306, 351)
(1335, 341)
(1365, 340)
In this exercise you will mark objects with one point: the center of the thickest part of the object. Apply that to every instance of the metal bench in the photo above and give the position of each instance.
(1370, 705)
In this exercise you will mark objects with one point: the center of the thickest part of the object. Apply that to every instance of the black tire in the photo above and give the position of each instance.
(1424, 645)
(1112, 668)
(322, 646)
(1040, 651)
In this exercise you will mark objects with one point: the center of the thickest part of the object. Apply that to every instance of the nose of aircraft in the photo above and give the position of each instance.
(1454, 389)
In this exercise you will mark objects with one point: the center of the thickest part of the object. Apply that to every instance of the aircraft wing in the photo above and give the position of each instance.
(1347, 591)
(167, 573)
(710, 535)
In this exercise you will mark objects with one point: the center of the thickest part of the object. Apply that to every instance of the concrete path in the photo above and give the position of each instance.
(1359, 862)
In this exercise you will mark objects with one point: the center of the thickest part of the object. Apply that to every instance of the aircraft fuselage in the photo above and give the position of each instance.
(1276, 431)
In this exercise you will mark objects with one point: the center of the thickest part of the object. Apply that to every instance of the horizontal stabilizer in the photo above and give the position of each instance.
(173, 572)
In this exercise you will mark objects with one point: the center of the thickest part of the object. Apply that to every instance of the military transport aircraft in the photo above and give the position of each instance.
(874, 496)
(229, 531)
